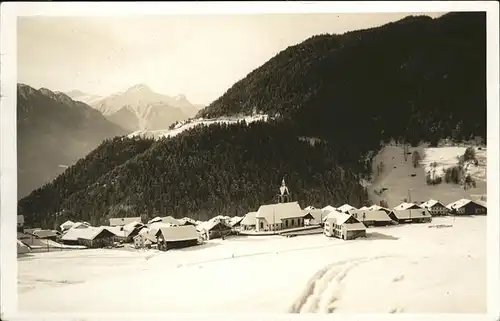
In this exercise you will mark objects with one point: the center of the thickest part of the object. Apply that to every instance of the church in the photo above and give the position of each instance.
(285, 214)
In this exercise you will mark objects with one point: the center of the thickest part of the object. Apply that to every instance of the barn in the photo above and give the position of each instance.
(467, 207)
(176, 237)
(372, 218)
(436, 208)
(411, 216)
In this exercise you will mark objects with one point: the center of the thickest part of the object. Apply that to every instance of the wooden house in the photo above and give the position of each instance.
(420, 215)
(467, 207)
(121, 221)
(436, 208)
(214, 228)
(313, 216)
(372, 218)
(249, 221)
(176, 237)
(98, 238)
(344, 226)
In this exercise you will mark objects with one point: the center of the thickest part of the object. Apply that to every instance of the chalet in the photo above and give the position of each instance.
(467, 207)
(99, 238)
(406, 206)
(92, 237)
(20, 223)
(125, 233)
(436, 208)
(346, 208)
(372, 218)
(176, 237)
(214, 228)
(249, 221)
(313, 216)
(420, 215)
(120, 221)
(344, 226)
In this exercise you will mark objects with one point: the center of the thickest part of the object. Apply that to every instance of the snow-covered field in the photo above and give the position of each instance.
(407, 268)
(447, 157)
(182, 126)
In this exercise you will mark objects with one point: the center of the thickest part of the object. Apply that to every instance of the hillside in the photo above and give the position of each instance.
(417, 78)
(53, 132)
(327, 105)
(401, 180)
(202, 172)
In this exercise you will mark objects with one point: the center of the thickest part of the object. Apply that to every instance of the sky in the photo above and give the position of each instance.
(200, 56)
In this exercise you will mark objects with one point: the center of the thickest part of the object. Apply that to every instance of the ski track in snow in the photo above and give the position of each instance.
(325, 287)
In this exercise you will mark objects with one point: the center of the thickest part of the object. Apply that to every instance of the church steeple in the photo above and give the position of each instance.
(284, 194)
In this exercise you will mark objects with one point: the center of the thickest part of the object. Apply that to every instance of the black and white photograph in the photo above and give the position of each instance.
(249, 158)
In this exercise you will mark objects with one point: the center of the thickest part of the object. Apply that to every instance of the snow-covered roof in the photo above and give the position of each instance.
(460, 203)
(120, 221)
(346, 207)
(405, 206)
(44, 233)
(154, 227)
(235, 220)
(328, 208)
(364, 208)
(88, 233)
(317, 215)
(430, 203)
(367, 215)
(279, 211)
(337, 217)
(66, 225)
(355, 227)
(80, 225)
(186, 220)
(178, 233)
(413, 213)
(375, 207)
(310, 208)
(212, 223)
(249, 219)
(165, 219)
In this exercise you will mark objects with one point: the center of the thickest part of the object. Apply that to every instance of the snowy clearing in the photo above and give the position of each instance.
(400, 269)
(182, 126)
(447, 157)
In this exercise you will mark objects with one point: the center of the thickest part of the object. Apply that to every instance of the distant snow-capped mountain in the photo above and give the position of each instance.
(78, 95)
(141, 108)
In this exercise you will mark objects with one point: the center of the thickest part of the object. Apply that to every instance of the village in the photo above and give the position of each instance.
(285, 218)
